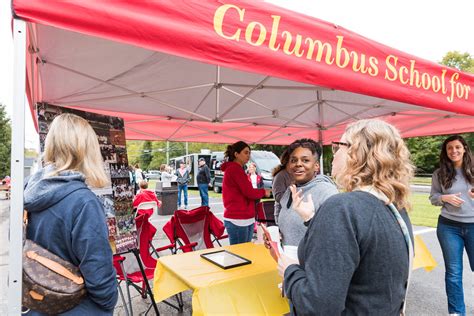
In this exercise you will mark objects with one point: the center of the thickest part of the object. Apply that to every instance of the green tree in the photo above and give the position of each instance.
(425, 150)
(5, 142)
(276, 149)
(461, 61)
(146, 155)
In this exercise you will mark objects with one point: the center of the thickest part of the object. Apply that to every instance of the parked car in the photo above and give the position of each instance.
(153, 175)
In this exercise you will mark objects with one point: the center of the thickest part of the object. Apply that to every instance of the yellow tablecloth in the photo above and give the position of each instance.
(423, 257)
(249, 289)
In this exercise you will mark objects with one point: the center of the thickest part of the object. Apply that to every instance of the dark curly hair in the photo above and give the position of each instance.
(309, 143)
(447, 172)
(234, 148)
(284, 158)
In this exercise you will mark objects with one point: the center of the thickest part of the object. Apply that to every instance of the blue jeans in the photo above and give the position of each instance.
(184, 188)
(238, 234)
(204, 193)
(453, 239)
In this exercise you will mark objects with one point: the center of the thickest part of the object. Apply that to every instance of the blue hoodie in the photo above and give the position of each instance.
(67, 218)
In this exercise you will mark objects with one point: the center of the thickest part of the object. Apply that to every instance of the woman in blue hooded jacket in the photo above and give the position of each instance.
(66, 217)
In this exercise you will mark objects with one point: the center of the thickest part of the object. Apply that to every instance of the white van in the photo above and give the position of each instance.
(264, 160)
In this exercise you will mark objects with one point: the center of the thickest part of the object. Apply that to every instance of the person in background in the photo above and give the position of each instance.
(166, 176)
(356, 255)
(452, 189)
(133, 180)
(66, 217)
(145, 195)
(203, 180)
(254, 178)
(302, 165)
(139, 176)
(281, 181)
(6, 183)
(183, 178)
(238, 194)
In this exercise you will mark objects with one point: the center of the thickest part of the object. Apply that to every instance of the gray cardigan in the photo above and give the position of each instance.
(463, 214)
(291, 225)
(353, 260)
(281, 182)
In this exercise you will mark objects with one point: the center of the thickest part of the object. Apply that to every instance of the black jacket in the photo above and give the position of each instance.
(204, 175)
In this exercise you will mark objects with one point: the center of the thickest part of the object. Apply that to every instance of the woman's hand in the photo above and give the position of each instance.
(283, 263)
(268, 192)
(304, 209)
(453, 199)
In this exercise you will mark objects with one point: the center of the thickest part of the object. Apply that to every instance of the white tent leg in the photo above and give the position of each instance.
(320, 131)
(17, 169)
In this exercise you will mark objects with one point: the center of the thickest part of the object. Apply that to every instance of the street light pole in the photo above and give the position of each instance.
(167, 152)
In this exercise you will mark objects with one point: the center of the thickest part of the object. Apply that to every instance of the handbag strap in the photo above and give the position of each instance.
(48, 263)
(406, 235)
(55, 267)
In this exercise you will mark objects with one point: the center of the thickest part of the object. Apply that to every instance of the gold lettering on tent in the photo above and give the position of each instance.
(249, 33)
(335, 52)
(219, 20)
(296, 49)
(320, 50)
(273, 36)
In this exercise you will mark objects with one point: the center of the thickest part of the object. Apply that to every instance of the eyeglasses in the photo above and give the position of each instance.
(337, 145)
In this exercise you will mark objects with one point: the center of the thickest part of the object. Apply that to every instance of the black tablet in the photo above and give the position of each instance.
(225, 259)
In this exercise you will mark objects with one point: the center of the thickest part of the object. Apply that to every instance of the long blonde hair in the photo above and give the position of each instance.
(71, 144)
(377, 156)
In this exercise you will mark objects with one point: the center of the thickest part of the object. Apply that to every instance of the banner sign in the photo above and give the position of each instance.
(117, 198)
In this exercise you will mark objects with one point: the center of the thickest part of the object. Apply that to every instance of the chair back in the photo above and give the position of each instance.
(265, 212)
(198, 225)
(146, 232)
(151, 205)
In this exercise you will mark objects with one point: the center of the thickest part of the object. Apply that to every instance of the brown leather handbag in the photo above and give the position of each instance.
(51, 285)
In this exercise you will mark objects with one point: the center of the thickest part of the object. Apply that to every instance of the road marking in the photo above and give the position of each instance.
(424, 231)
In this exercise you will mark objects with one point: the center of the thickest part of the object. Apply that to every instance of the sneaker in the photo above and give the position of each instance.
(185, 207)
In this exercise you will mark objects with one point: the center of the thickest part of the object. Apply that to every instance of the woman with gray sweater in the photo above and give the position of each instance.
(303, 165)
(356, 255)
(452, 189)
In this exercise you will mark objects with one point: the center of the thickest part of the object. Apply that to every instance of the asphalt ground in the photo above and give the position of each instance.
(426, 294)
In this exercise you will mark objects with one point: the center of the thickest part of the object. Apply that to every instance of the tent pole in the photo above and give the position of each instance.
(17, 169)
(217, 86)
(320, 130)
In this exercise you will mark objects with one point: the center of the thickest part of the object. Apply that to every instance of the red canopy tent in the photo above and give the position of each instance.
(218, 71)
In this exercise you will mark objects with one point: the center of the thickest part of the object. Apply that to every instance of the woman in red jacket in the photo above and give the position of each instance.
(238, 194)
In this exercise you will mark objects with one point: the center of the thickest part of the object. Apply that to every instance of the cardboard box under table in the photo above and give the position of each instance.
(248, 289)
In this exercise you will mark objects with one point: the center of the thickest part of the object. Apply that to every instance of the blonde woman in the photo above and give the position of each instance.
(354, 258)
(66, 217)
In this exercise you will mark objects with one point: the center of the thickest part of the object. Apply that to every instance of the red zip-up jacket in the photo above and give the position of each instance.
(238, 194)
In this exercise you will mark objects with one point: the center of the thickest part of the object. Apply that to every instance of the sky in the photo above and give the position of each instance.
(426, 29)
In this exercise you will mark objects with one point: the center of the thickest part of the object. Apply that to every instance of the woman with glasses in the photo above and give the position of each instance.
(303, 165)
(356, 255)
(452, 189)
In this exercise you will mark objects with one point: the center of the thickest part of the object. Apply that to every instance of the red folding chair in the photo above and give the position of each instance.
(265, 212)
(195, 229)
(130, 273)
